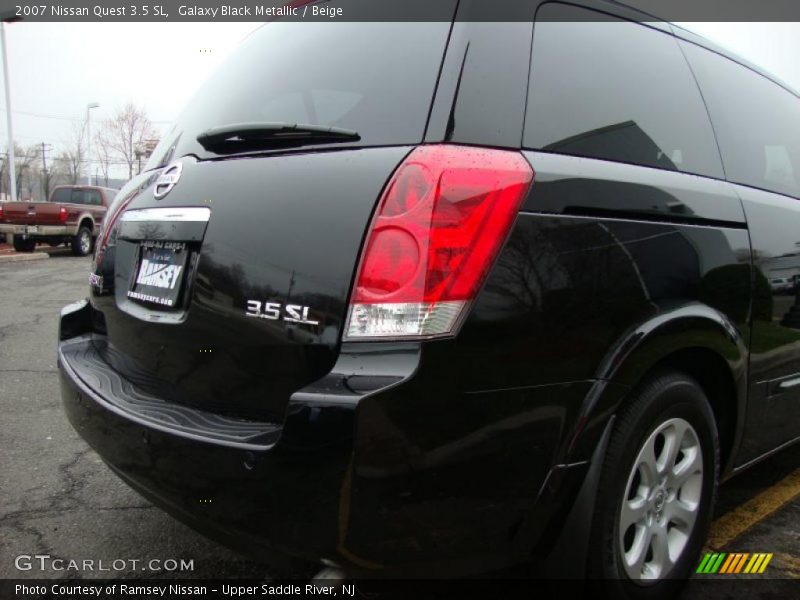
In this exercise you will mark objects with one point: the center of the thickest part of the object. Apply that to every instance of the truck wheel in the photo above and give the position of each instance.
(24, 245)
(82, 242)
(657, 489)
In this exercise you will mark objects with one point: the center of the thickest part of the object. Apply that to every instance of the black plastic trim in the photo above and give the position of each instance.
(82, 362)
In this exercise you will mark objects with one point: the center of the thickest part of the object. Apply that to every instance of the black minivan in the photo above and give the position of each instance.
(438, 298)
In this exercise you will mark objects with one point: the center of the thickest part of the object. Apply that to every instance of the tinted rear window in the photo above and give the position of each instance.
(76, 196)
(92, 197)
(375, 78)
(756, 120)
(615, 90)
(62, 195)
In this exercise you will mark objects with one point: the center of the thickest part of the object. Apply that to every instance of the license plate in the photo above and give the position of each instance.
(159, 274)
(32, 229)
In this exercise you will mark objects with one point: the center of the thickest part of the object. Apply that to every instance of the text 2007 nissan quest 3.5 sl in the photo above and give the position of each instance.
(446, 297)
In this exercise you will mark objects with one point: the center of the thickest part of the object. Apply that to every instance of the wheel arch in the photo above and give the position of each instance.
(694, 339)
(87, 220)
(700, 342)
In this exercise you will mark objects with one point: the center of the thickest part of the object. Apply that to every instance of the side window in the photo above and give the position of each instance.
(757, 122)
(611, 89)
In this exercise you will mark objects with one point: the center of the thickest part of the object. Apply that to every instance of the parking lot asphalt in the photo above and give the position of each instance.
(58, 498)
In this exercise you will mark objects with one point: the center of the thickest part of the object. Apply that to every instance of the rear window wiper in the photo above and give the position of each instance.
(244, 137)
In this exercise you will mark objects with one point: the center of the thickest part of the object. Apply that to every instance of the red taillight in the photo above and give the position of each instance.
(441, 221)
(62, 215)
(2, 214)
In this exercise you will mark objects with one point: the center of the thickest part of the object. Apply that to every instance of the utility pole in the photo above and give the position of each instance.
(89, 107)
(12, 176)
(45, 174)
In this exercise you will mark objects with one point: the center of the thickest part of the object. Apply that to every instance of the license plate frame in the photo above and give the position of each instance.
(159, 273)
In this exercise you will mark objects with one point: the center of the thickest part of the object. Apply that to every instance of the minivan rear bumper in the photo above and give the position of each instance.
(229, 480)
(365, 472)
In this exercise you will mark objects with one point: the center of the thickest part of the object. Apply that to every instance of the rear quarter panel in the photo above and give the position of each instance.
(603, 257)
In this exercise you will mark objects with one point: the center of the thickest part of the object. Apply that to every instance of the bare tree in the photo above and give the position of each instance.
(126, 133)
(68, 166)
(26, 171)
(102, 156)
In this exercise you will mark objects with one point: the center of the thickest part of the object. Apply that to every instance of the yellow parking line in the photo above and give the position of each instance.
(789, 564)
(732, 524)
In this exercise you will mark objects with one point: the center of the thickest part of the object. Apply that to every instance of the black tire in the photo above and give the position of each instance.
(657, 410)
(24, 245)
(82, 242)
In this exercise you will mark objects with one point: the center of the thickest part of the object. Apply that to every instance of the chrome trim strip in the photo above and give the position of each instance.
(789, 383)
(193, 214)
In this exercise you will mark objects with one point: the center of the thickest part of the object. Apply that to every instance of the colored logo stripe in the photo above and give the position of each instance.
(702, 567)
(723, 563)
(734, 563)
(741, 562)
(758, 563)
(711, 563)
(727, 564)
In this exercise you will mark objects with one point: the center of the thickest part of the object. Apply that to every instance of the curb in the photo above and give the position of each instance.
(23, 257)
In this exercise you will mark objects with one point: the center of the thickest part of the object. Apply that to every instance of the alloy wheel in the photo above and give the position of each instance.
(661, 503)
(85, 242)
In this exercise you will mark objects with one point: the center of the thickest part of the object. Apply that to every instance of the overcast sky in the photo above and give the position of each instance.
(56, 68)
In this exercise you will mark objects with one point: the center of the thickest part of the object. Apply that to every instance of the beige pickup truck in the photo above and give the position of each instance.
(72, 215)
